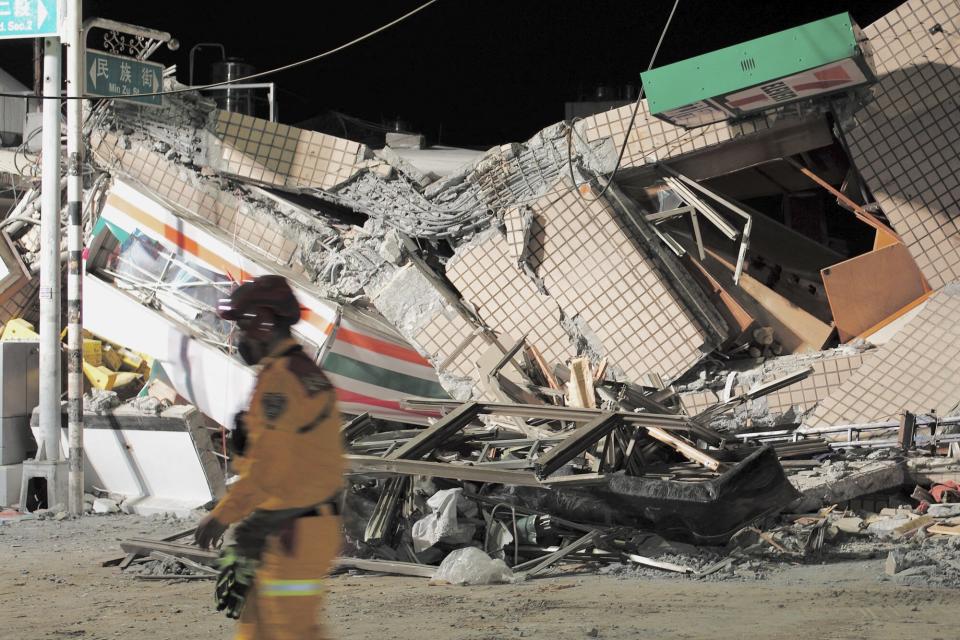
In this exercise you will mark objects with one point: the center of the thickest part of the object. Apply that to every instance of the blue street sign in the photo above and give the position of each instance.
(113, 76)
(28, 18)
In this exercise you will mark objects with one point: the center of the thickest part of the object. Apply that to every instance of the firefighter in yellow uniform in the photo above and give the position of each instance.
(290, 464)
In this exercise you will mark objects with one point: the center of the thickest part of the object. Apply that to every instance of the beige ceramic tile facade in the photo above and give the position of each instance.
(23, 303)
(282, 155)
(905, 141)
(451, 340)
(653, 139)
(167, 180)
(487, 277)
(828, 374)
(590, 266)
(916, 371)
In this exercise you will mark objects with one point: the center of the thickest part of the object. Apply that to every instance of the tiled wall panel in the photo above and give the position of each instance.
(906, 143)
(827, 376)
(653, 139)
(590, 267)
(918, 370)
(22, 303)
(450, 339)
(282, 155)
(487, 277)
(167, 180)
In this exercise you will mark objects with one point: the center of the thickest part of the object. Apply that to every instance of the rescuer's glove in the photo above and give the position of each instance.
(209, 531)
(233, 583)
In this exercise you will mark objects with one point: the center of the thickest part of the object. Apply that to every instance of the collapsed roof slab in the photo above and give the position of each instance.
(905, 142)
(918, 370)
(600, 137)
(190, 126)
(180, 185)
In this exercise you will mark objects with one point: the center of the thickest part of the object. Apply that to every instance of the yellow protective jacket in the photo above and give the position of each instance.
(293, 456)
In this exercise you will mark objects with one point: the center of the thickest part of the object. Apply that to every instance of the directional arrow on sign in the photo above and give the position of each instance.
(93, 74)
(41, 13)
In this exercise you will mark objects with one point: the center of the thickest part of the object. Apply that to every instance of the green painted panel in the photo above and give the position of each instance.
(372, 374)
(749, 64)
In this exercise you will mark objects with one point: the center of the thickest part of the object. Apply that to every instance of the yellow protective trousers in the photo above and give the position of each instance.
(287, 595)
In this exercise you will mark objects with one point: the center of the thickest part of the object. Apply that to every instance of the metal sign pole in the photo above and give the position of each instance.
(75, 84)
(50, 258)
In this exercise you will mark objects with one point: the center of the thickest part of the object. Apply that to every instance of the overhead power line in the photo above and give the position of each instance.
(253, 76)
(633, 117)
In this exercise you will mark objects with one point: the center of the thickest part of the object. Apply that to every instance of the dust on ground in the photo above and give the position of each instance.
(52, 586)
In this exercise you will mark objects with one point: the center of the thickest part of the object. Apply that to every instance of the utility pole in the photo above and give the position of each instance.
(75, 37)
(50, 266)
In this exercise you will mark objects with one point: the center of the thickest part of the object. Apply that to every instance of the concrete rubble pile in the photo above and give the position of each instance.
(730, 347)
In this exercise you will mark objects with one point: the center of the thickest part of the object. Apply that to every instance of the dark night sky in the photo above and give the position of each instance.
(489, 71)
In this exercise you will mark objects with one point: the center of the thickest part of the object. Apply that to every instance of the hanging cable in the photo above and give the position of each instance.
(224, 83)
(633, 118)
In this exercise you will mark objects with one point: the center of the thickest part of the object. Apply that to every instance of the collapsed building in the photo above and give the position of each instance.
(627, 319)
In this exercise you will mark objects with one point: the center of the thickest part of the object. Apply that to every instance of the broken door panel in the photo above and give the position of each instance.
(865, 290)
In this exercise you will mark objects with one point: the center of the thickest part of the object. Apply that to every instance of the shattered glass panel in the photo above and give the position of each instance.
(668, 199)
(168, 281)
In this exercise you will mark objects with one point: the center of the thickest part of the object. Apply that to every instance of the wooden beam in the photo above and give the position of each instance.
(601, 371)
(537, 358)
(796, 329)
(860, 212)
(685, 448)
(581, 384)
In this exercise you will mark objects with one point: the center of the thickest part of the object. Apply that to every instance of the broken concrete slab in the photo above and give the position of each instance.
(839, 482)
(829, 370)
(916, 371)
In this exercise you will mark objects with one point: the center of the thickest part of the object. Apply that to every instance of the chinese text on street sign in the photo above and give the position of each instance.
(28, 18)
(113, 76)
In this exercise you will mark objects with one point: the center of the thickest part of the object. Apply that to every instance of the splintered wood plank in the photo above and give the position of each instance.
(537, 357)
(945, 530)
(581, 384)
(685, 448)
